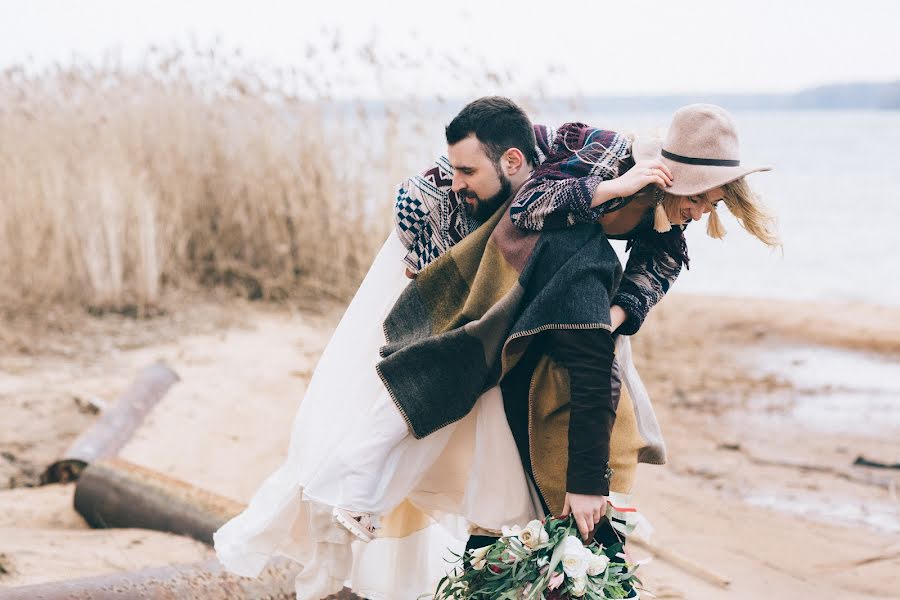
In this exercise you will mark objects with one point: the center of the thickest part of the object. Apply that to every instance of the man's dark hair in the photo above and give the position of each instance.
(498, 123)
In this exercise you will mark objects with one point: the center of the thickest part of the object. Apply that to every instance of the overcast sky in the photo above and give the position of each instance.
(608, 48)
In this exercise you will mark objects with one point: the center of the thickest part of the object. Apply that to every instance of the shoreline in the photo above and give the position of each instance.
(731, 431)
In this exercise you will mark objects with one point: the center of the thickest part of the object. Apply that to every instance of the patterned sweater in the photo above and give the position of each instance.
(573, 160)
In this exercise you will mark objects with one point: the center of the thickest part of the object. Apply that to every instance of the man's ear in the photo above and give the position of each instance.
(512, 161)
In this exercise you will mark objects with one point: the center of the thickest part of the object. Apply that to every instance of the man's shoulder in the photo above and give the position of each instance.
(438, 175)
(431, 186)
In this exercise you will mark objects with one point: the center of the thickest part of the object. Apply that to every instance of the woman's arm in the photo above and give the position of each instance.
(587, 174)
(588, 356)
(617, 316)
(560, 192)
(650, 271)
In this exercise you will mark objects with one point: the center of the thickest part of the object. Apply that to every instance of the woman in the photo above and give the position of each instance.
(365, 464)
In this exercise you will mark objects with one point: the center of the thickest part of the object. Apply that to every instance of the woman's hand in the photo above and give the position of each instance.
(617, 316)
(642, 174)
(587, 510)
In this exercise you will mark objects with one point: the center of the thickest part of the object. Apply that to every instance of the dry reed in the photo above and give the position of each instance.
(116, 183)
(200, 168)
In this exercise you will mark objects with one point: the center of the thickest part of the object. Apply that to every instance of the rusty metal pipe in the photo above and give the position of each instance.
(115, 426)
(115, 493)
(206, 580)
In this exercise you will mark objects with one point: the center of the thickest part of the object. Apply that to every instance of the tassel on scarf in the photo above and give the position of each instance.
(714, 227)
(661, 223)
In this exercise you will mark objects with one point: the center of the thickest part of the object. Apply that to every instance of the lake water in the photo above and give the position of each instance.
(835, 390)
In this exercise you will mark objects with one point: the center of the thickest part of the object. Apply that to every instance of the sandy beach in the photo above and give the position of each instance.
(765, 407)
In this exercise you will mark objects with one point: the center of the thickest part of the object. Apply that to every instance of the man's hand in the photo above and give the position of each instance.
(588, 510)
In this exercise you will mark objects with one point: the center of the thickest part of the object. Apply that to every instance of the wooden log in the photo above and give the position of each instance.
(115, 426)
(115, 493)
(682, 562)
(207, 580)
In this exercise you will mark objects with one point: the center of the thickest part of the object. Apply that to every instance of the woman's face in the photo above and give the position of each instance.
(691, 208)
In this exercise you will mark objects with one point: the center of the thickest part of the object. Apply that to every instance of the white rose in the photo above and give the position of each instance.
(534, 534)
(478, 557)
(578, 587)
(574, 558)
(597, 563)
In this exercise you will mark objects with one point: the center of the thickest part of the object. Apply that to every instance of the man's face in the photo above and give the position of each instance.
(477, 180)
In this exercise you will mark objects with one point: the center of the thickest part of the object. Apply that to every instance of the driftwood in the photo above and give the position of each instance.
(207, 580)
(682, 562)
(115, 493)
(889, 553)
(115, 426)
(837, 472)
(862, 461)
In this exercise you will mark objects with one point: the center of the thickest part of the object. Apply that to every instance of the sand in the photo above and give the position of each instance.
(760, 486)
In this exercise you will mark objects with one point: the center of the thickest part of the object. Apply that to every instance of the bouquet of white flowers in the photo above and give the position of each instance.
(544, 561)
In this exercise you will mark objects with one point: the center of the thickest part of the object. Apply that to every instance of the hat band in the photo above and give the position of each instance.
(712, 162)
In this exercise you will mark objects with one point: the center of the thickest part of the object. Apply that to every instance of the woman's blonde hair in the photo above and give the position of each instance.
(744, 204)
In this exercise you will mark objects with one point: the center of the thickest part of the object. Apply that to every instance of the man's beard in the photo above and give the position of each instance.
(483, 209)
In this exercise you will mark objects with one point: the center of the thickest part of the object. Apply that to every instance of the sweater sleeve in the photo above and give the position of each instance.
(651, 270)
(588, 356)
(417, 208)
(560, 191)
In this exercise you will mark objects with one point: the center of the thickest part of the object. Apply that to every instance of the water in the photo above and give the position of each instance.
(836, 189)
(837, 508)
(837, 390)
(838, 395)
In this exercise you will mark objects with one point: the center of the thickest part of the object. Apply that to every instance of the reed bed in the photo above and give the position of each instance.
(197, 169)
(117, 184)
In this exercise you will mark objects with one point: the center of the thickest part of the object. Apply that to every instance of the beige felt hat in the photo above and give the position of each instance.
(700, 148)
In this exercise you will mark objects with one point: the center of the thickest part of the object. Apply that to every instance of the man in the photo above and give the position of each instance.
(492, 151)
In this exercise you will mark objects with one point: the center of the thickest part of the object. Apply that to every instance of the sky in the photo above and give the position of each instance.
(594, 48)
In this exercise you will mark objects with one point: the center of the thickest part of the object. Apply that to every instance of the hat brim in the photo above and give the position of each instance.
(690, 180)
